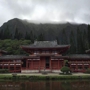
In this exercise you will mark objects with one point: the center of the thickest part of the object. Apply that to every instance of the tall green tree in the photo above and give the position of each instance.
(6, 33)
(17, 34)
(80, 46)
(72, 43)
(64, 37)
(85, 40)
(88, 32)
(27, 36)
(40, 37)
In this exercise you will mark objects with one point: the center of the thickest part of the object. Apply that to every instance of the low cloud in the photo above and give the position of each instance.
(44, 11)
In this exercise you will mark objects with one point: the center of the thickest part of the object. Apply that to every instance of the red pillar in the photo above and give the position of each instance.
(8, 66)
(76, 67)
(26, 64)
(50, 65)
(82, 67)
(14, 66)
(2, 65)
(58, 65)
(32, 64)
(39, 66)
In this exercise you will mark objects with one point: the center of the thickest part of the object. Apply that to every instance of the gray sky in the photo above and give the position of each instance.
(43, 11)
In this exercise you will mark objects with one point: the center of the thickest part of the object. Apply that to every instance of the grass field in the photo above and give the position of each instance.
(39, 76)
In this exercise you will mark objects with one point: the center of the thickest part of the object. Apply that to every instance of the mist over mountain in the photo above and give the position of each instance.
(77, 35)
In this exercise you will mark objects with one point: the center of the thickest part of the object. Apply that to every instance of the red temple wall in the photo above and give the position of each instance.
(79, 65)
(42, 63)
(12, 66)
(0, 54)
(56, 64)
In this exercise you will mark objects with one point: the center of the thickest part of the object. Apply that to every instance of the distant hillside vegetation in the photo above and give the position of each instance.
(77, 35)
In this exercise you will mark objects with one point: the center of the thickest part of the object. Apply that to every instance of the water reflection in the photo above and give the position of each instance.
(45, 85)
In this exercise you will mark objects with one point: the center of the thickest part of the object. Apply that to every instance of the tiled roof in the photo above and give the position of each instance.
(78, 56)
(44, 44)
(87, 51)
(3, 51)
(6, 57)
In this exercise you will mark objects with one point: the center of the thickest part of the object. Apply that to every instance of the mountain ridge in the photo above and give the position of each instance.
(64, 33)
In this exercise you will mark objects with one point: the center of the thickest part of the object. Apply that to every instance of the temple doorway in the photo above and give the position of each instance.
(47, 62)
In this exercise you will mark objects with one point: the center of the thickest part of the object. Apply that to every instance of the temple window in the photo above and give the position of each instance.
(79, 67)
(18, 61)
(11, 68)
(11, 64)
(86, 67)
(43, 51)
(5, 64)
(36, 52)
(73, 67)
(54, 52)
(47, 51)
(18, 64)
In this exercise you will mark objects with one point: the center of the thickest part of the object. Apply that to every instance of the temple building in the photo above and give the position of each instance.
(44, 56)
(2, 52)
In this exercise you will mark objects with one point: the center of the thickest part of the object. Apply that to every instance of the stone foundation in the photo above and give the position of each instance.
(40, 71)
(29, 71)
(56, 71)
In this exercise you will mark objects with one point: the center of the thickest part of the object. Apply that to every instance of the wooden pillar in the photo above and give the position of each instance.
(70, 67)
(39, 65)
(83, 67)
(2, 65)
(9, 66)
(58, 65)
(70, 64)
(27, 64)
(76, 67)
(50, 65)
(89, 63)
(14, 66)
(32, 64)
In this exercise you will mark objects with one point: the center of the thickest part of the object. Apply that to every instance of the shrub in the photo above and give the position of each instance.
(66, 63)
(4, 71)
(65, 70)
(88, 71)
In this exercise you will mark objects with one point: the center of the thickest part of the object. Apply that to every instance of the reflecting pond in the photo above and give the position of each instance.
(45, 85)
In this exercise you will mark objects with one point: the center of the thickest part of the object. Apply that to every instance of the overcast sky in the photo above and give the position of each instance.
(43, 11)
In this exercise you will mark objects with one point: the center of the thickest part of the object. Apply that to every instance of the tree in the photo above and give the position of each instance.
(6, 34)
(27, 36)
(88, 71)
(88, 32)
(40, 37)
(66, 63)
(72, 43)
(17, 35)
(32, 37)
(80, 45)
(1, 34)
(13, 46)
(65, 70)
(64, 37)
(85, 40)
